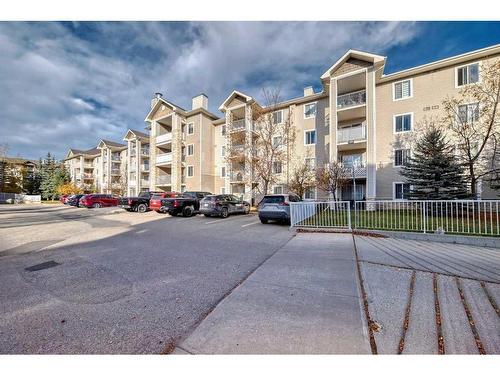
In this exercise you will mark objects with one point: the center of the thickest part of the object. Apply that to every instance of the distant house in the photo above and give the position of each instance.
(14, 172)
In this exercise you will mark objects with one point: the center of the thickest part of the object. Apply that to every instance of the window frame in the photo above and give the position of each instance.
(457, 86)
(394, 122)
(273, 168)
(187, 171)
(468, 104)
(394, 156)
(277, 186)
(311, 167)
(281, 117)
(305, 137)
(394, 99)
(281, 141)
(190, 128)
(394, 190)
(187, 149)
(315, 110)
(223, 151)
(223, 130)
(223, 169)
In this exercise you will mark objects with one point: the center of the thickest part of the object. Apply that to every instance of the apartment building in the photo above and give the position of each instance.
(362, 118)
(112, 171)
(83, 168)
(14, 172)
(137, 161)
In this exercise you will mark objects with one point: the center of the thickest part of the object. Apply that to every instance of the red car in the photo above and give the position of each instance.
(63, 198)
(98, 200)
(155, 201)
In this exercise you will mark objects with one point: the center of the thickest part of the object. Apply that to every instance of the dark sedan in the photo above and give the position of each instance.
(223, 205)
(74, 200)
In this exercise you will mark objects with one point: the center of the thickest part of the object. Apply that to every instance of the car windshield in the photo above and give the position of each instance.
(273, 199)
(210, 198)
(144, 194)
(157, 196)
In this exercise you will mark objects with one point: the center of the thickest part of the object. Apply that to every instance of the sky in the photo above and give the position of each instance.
(70, 84)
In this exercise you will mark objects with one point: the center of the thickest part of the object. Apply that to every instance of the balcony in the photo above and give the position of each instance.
(145, 151)
(132, 167)
(88, 165)
(351, 99)
(88, 175)
(144, 167)
(144, 182)
(163, 179)
(164, 158)
(115, 172)
(132, 183)
(115, 158)
(236, 176)
(351, 134)
(164, 138)
(237, 125)
(358, 169)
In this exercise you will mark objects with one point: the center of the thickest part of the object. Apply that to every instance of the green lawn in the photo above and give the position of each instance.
(406, 220)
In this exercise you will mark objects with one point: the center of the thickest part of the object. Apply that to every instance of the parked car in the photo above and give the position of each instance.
(187, 204)
(276, 207)
(223, 205)
(142, 202)
(155, 201)
(98, 200)
(74, 200)
(63, 198)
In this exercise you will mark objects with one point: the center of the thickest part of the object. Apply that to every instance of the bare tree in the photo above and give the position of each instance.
(332, 177)
(262, 158)
(474, 124)
(302, 176)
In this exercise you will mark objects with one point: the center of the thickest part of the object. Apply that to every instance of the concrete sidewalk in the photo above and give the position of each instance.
(303, 300)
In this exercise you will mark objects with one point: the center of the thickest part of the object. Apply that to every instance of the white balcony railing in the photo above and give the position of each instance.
(236, 176)
(351, 99)
(164, 158)
(163, 179)
(359, 170)
(164, 138)
(88, 175)
(351, 134)
(144, 182)
(144, 167)
(115, 172)
(132, 183)
(145, 151)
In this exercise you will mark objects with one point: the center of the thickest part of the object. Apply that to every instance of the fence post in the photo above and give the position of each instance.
(349, 214)
(424, 212)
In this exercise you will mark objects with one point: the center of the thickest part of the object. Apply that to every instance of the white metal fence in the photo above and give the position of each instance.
(469, 217)
(333, 214)
(19, 198)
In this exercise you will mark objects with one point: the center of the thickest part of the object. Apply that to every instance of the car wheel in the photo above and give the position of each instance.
(173, 213)
(224, 213)
(142, 208)
(161, 212)
(264, 221)
(247, 210)
(96, 205)
(188, 211)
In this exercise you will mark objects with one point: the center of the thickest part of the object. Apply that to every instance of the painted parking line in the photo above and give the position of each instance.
(253, 223)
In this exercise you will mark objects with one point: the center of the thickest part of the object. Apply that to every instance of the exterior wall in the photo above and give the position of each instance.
(219, 141)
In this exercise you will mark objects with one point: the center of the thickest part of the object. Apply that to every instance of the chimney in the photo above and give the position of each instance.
(308, 91)
(157, 97)
(200, 101)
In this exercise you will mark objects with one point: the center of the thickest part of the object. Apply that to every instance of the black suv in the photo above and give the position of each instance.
(223, 205)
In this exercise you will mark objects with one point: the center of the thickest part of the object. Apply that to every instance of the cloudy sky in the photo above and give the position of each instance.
(69, 84)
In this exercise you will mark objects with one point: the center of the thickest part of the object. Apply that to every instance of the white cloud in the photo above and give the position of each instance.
(62, 87)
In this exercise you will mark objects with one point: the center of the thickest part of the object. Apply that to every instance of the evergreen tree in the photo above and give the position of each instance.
(433, 171)
(47, 174)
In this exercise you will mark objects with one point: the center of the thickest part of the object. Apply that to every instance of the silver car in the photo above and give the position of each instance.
(276, 207)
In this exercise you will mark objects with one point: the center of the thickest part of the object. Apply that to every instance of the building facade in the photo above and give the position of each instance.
(362, 117)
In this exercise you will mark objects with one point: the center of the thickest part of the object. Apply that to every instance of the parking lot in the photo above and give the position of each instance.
(122, 282)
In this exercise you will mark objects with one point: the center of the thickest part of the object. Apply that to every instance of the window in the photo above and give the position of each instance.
(402, 90)
(277, 167)
(403, 123)
(190, 170)
(401, 190)
(468, 113)
(353, 160)
(310, 193)
(277, 141)
(183, 188)
(278, 190)
(190, 150)
(223, 130)
(310, 110)
(401, 157)
(190, 128)
(223, 151)
(310, 162)
(277, 117)
(223, 172)
(467, 74)
(310, 137)
(223, 190)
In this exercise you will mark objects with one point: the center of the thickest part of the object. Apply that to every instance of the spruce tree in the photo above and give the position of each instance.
(47, 174)
(433, 171)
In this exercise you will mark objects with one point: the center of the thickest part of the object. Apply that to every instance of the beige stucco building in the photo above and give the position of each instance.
(362, 117)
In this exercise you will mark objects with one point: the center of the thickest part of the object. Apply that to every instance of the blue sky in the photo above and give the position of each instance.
(69, 84)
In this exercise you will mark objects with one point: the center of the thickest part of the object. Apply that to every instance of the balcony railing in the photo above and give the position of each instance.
(164, 158)
(132, 168)
(164, 138)
(351, 134)
(88, 175)
(115, 158)
(358, 169)
(351, 99)
(163, 179)
(144, 182)
(132, 183)
(88, 165)
(145, 151)
(115, 172)
(144, 167)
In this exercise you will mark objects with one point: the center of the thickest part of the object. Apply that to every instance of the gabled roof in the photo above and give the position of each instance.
(74, 152)
(157, 105)
(137, 133)
(352, 53)
(232, 96)
(106, 143)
